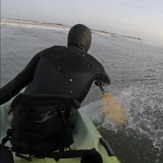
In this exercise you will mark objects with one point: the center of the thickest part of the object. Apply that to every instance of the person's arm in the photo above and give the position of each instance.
(20, 81)
(102, 77)
(99, 71)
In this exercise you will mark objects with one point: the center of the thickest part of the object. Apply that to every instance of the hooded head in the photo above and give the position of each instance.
(80, 36)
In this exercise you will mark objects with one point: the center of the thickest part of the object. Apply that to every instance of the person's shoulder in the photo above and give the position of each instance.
(91, 56)
(57, 47)
(93, 59)
(52, 49)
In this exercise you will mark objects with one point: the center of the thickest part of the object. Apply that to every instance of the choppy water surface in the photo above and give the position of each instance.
(136, 72)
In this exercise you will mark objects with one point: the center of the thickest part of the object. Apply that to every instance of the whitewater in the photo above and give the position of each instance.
(136, 72)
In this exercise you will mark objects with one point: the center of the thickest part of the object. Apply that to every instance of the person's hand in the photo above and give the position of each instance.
(98, 82)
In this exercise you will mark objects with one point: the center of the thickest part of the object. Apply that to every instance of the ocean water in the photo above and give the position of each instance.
(136, 72)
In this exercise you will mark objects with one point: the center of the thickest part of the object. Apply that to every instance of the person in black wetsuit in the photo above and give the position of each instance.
(54, 77)
(59, 71)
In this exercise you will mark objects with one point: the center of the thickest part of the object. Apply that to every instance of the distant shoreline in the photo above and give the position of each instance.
(31, 22)
(58, 25)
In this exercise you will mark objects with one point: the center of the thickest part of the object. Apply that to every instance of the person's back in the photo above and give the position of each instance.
(65, 71)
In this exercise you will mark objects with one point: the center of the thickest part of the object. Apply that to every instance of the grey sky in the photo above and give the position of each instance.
(140, 18)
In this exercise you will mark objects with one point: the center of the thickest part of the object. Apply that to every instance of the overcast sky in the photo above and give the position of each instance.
(140, 18)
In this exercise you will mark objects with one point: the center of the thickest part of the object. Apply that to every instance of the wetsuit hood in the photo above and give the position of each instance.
(80, 36)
